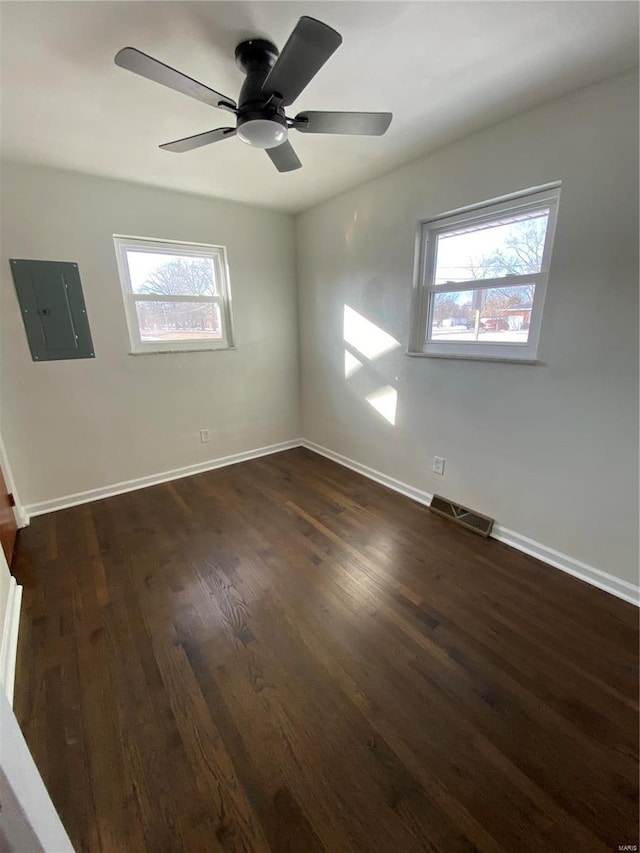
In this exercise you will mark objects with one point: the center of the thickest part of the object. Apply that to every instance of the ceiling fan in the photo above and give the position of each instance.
(272, 83)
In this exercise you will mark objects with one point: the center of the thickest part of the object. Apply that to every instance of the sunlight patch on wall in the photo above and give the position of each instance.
(351, 364)
(385, 401)
(365, 336)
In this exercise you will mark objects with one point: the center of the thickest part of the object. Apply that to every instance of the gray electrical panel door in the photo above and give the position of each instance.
(53, 309)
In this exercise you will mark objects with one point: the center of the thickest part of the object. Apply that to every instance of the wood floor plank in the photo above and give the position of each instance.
(379, 654)
(284, 656)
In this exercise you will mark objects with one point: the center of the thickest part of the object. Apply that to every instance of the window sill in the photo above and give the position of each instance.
(507, 359)
(178, 351)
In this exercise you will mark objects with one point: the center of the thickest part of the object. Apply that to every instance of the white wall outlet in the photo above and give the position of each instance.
(204, 436)
(438, 464)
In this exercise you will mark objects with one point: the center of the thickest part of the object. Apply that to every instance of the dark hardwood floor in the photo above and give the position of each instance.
(282, 655)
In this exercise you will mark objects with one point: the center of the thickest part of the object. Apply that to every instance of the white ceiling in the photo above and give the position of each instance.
(444, 69)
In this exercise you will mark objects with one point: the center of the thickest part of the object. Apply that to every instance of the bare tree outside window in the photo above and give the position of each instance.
(179, 276)
(494, 309)
(483, 275)
(176, 295)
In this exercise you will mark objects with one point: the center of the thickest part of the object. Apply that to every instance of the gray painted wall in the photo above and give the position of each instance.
(551, 451)
(71, 426)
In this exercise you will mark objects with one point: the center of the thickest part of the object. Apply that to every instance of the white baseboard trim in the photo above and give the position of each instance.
(405, 489)
(154, 479)
(589, 574)
(9, 646)
(22, 516)
(596, 577)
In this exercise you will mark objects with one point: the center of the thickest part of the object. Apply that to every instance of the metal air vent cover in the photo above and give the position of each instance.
(468, 518)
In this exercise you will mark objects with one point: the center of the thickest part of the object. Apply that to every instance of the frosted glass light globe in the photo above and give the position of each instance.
(261, 133)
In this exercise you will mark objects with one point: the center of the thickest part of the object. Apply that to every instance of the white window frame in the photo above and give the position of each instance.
(425, 288)
(218, 255)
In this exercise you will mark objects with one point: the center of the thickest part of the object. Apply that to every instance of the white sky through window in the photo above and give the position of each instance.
(460, 250)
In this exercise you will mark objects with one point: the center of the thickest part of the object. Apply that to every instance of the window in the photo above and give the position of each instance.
(482, 278)
(176, 295)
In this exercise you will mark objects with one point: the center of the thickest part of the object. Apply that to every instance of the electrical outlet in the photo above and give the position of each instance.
(204, 436)
(438, 464)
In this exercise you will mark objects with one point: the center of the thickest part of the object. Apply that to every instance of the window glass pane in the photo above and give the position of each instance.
(486, 315)
(179, 321)
(173, 275)
(509, 245)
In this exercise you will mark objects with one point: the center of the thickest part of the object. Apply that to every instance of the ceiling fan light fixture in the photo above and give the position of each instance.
(263, 133)
(273, 81)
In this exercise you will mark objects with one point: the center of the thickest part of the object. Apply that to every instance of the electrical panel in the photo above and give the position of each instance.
(53, 310)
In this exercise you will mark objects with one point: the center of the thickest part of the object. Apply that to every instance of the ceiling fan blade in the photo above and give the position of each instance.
(307, 49)
(284, 158)
(360, 124)
(146, 66)
(200, 139)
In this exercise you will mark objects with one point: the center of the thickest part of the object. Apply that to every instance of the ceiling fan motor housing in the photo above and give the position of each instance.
(261, 120)
(256, 58)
